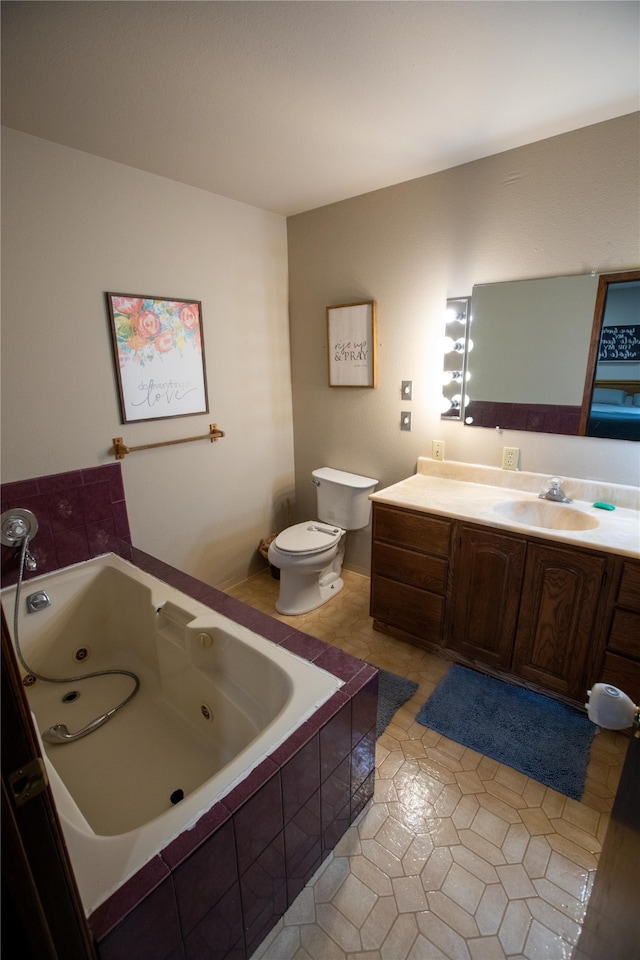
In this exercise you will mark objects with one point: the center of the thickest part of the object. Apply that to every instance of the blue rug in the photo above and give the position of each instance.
(544, 739)
(393, 691)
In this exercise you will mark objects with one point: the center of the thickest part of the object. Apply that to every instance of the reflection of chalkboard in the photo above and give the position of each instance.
(620, 343)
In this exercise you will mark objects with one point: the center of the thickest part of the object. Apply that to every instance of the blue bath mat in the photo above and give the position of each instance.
(393, 691)
(540, 737)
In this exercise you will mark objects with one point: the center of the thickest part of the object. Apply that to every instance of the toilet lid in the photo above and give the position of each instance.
(308, 537)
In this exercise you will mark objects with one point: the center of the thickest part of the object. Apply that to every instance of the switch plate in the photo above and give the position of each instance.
(510, 458)
(437, 449)
(405, 420)
(407, 389)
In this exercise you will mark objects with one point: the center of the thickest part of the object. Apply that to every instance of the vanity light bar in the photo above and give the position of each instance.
(456, 350)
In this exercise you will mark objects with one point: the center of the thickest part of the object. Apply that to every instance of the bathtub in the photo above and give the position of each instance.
(215, 699)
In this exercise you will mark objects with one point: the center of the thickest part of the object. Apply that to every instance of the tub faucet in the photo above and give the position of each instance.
(555, 492)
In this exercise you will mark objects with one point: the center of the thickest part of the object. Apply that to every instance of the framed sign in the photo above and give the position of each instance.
(159, 356)
(351, 337)
(620, 344)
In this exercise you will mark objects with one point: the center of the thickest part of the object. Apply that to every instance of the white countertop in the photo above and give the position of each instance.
(476, 493)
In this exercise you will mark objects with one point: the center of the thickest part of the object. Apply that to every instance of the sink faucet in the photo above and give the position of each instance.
(555, 492)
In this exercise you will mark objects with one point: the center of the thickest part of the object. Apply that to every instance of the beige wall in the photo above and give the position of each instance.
(567, 205)
(74, 226)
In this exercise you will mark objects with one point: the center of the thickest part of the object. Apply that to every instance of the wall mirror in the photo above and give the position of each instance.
(611, 405)
(535, 346)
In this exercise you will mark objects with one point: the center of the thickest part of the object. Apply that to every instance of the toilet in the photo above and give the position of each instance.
(309, 555)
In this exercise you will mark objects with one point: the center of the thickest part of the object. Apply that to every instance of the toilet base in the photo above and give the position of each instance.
(296, 598)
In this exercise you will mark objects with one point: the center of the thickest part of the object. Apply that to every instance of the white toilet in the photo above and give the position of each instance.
(309, 555)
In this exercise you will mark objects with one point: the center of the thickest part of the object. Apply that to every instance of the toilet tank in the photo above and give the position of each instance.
(343, 498)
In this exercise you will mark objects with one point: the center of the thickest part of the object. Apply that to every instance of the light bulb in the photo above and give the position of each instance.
(445, 405)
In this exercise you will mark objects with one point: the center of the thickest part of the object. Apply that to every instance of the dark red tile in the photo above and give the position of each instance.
(364, 709)
(362, 795)
(219, 935)
(55, 482)
(363, 759)
(335, 829)
(303, 840)
(190, 840)
(305, 732)
(204, 877)
(72, 546)
(121, 520)
(102, 537)
(131, 895)
(257, 822)
(64, 508)
(258, 778)
(304, 646)
(335, 740)
(329, 709)
(96, 501)
(263, 878)
(300, 777)
(335, 792)
(339, 663)
(273, 909)
(18, 490)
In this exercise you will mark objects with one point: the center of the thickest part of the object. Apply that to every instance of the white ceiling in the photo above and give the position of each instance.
(292, 105)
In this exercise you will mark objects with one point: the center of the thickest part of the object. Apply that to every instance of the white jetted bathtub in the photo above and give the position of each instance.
(214, 700)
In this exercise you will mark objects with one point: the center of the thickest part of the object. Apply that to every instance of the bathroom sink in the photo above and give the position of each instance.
(544, 513)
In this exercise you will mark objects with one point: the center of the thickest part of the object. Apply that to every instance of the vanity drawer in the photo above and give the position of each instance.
(623, 674)
(625, 633)
(418, 612)
(629, 592)
(414, 569)
(407, 528)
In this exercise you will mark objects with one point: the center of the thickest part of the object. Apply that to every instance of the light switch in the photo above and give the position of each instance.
(407, 389)
(405, 420)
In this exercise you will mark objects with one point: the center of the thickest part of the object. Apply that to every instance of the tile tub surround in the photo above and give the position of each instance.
(81, 514)
(218, 889)
(468, 491)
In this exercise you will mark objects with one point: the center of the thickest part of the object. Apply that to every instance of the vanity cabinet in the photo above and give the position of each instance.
(558, 625)
(504, 602)
(487, 580)
(621, 665)
(409, 573)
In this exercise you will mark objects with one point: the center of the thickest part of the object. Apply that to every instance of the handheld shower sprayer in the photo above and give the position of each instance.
(17, 527)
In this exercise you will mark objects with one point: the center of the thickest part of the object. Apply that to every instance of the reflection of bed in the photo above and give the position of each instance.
(615, 410)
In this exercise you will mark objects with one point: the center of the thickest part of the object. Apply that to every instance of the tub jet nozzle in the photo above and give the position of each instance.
(59, 732)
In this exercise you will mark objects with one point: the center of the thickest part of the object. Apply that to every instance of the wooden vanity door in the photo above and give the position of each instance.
(556, 626)
(486, 592)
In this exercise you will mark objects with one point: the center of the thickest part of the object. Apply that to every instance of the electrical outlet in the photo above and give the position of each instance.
(510, 458)
(437, 449)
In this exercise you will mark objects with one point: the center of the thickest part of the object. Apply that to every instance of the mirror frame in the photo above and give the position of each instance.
(604, 282)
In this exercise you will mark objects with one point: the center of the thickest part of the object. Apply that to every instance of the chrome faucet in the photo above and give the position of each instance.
(555, 492)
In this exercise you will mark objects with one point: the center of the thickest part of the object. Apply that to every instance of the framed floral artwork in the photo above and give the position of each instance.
(159, 356)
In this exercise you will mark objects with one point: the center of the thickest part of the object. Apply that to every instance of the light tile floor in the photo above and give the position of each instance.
(457, 855)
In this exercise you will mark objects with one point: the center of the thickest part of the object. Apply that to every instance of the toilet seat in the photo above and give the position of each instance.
(307, 538)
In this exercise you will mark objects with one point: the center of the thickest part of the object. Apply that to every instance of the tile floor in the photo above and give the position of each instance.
(457, 856)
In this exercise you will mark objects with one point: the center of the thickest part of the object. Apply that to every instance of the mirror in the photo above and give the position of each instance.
(611, 406)
(534, 341)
